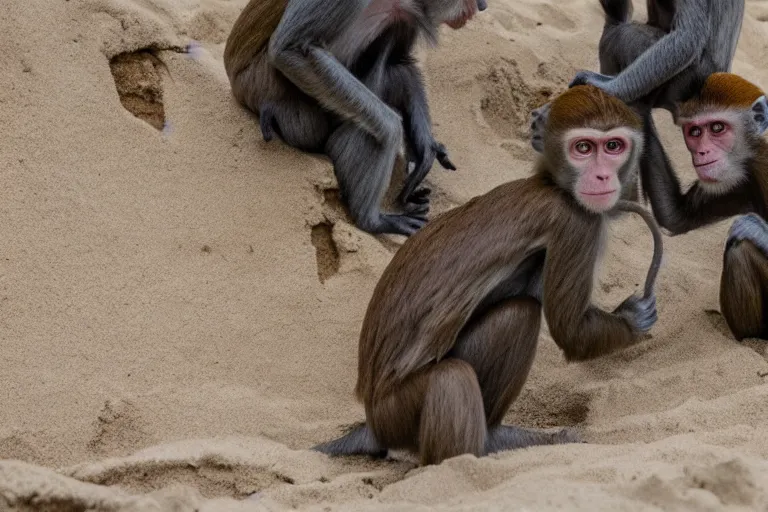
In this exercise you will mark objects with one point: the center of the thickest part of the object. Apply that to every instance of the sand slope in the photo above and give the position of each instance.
(179, 308)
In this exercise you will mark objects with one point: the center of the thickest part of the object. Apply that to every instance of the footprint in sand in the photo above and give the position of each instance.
(509, 99)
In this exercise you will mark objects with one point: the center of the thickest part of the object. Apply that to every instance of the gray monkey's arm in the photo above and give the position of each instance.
(662, 61)
(295, 49)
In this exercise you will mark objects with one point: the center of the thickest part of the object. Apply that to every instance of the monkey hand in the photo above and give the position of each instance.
(752, 228)
(424, 158)
(603, 82)
(640, 312)
(760, 114)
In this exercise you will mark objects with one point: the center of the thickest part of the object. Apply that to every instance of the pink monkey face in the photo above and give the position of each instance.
(598, 156)
(710, 139)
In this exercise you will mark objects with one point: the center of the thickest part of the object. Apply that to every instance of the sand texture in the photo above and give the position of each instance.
(180, 301)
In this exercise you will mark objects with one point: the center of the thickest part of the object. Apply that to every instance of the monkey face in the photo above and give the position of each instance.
(717, 143)
(599, 159)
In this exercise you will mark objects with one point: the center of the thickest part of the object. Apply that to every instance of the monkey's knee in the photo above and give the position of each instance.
(452, 418)
(501, 347)
(742, 290)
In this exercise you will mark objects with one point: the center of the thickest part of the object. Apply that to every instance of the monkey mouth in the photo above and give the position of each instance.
(599, 194)
(704, 171)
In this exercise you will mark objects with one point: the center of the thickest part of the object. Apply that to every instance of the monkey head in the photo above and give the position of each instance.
(721, 127)
(454, 13)
(592, 145)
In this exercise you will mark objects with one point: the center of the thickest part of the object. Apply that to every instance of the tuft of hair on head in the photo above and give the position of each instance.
(722, 90)
(587, 106)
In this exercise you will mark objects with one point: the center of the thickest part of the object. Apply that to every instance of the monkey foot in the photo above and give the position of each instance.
(406, 224)
(507, 437)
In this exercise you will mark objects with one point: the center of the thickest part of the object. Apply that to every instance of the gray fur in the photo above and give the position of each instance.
(306, 92)
(760, 115)
(662, 62)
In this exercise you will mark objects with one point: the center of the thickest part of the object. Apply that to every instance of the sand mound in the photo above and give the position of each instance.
(180, 301)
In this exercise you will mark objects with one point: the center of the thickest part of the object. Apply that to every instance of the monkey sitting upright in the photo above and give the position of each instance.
(663, 62)
(451, 330)
(338, 77)
(722, 127)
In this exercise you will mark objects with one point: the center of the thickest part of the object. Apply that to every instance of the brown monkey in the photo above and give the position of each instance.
(722, 127)
(451, 330)
(338, 77)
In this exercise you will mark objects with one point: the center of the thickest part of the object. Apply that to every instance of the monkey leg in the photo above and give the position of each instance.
(437, 412)
(744, 290)
(363, 169)
(283, 109)
(452, 419)
(500, 346)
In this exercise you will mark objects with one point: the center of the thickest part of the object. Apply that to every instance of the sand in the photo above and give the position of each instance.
(180, 301)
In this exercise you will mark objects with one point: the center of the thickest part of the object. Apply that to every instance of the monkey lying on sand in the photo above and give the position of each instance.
(338, 77)
(451, 330)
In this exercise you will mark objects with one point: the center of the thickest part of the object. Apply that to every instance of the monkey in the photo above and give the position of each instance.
(722, 127)
(662, 62)
(451, 330)
(339, 78)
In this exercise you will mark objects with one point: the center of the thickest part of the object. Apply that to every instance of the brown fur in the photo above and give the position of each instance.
(744, 290)
(722, 90)
(250, 33)
(583, 105)
(744, 280)
(438, 367)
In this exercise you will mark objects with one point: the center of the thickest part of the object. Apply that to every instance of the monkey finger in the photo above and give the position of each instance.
(590, 78)
(420, 196)
(417, 210)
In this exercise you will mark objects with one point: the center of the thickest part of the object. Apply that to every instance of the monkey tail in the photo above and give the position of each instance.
(617, 11)
(658, 247)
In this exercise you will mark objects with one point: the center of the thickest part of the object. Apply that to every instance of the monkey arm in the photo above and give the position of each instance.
(295, 49)
(676, 211)
(658, 64)
(411, 99)
(581, 330)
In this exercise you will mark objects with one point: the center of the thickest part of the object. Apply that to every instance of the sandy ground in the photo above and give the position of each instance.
(179, 308)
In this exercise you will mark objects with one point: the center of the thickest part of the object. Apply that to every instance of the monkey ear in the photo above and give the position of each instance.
(759, 112)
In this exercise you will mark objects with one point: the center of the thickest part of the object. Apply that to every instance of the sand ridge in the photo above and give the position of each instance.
(180, 301)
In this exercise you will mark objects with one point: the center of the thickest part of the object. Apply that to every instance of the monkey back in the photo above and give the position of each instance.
(251, 32)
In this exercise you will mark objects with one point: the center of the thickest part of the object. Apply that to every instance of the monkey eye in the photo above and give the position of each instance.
(717, 127)
(614, 146)
(583, 147)
(695, 131)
